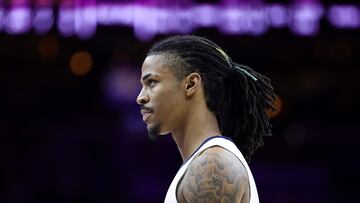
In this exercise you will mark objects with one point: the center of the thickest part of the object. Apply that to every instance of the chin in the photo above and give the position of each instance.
(153, 131)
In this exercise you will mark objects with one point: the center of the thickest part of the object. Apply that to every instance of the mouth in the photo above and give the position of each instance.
(146, 113)
(146, 116)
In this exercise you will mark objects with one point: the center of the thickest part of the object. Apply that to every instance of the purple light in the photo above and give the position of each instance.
(162, 16)
(111, 14)
(18, 20)
(258, 22)
(145, 23)
(104, 16)
(233, 21)
(305, 19)
(81, 17)
(122, 85)
(205, 15)
(344, 16)
(123, 15)
(2, 17)
(85, 22)
(277, 15)
(180, 22)
(243, 21)
(66, 22)
(43, 20)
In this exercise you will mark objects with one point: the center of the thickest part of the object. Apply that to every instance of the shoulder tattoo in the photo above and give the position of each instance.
(215, 176)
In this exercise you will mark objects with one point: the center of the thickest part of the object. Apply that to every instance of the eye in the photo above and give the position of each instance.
(152, 83)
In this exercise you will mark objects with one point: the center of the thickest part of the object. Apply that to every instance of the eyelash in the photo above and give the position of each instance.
(151, 82)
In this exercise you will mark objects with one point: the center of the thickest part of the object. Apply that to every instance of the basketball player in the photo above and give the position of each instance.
(215, 110)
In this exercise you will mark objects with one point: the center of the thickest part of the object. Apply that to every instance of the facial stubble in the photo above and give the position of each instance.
(154, 132)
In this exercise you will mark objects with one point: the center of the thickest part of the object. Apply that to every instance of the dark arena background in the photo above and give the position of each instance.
(71, 131)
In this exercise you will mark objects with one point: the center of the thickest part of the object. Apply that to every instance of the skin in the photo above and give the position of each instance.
(214, 176)
(178, 107)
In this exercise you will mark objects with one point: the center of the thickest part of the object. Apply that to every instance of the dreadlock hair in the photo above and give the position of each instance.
(236, 94)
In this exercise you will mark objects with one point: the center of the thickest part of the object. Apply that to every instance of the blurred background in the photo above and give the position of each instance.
(70, 130)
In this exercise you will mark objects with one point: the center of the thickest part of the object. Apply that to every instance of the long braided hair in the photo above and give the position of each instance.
(236, 94)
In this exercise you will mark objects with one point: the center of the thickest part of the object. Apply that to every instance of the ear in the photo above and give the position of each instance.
(192, 84)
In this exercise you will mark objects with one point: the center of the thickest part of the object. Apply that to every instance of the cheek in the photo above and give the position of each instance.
(167, 105)
(172, 108)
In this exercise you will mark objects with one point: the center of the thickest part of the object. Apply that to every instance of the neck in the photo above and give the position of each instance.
(200, 124)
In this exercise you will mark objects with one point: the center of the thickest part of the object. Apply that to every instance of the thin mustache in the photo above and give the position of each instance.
(146, 108)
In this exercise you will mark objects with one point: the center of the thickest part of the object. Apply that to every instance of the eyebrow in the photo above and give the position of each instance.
(148, 75)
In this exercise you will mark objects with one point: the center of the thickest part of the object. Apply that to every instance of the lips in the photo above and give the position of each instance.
(146, 114)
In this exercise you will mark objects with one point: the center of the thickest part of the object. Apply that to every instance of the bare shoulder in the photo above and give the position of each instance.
(216, 175)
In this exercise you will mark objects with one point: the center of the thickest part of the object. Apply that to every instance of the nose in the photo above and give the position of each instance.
(142, 98)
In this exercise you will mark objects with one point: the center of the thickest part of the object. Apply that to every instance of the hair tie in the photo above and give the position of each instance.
(236, 66)
(246, 72)
(224, 55)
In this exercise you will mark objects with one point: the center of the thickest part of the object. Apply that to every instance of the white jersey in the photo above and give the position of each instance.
(225, 143)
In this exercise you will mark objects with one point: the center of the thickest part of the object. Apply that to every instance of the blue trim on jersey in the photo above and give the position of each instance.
(209, 138)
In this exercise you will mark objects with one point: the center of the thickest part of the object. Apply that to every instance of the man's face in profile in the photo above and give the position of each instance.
(161, 97)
